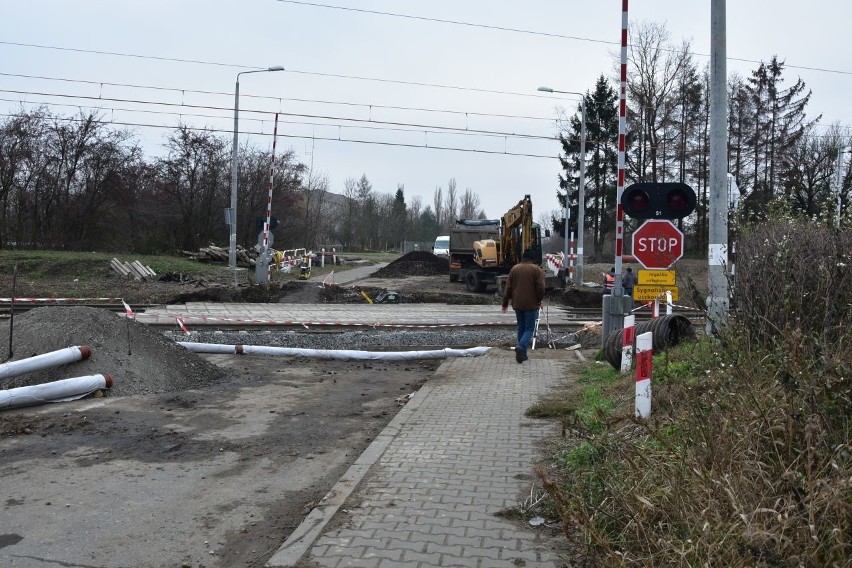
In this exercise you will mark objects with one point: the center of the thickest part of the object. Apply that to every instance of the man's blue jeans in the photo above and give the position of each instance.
(526, 328)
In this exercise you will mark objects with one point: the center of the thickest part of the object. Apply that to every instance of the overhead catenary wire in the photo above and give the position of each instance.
(322, 139)
(291, 70)
(533, 32)
(183, 90)
(448, 129)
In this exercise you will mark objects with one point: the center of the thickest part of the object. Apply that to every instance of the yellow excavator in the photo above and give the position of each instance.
(483, 251)
(517, 235)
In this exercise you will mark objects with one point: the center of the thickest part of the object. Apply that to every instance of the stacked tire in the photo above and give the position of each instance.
(666, 331)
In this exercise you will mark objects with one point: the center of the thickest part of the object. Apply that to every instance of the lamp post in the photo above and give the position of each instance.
(581, 200)
(232, 212)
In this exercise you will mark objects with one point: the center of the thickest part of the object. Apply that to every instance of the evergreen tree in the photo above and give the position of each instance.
(601, 166)
(778, 124)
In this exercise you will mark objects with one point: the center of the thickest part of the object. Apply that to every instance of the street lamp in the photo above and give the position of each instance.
(581, 205)
(232, 213)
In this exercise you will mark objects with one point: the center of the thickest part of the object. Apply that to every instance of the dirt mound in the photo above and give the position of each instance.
(269, 293)
(139, 359)
(415, 263)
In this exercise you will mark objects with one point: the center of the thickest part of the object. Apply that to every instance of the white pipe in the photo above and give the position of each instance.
(44, 361)
(57, 391)
(338, 354)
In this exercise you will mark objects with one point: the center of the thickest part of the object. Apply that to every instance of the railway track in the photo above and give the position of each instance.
(20, 307)
(577, 317)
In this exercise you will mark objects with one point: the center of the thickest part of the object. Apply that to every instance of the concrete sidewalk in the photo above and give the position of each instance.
(427, 491)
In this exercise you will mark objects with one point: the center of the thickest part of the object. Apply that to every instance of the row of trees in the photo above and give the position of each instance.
(77, 183)
(776, 153)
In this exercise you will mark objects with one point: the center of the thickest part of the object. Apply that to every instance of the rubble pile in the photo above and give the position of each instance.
(139, 359)
(416, 263)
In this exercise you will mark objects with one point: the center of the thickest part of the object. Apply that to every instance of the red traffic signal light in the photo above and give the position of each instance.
(658, 200)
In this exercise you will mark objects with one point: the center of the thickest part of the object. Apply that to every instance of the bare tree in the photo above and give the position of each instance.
(313, 193)
(350, 215)
(451, 204)
(191, 177)
(659, 73)
(469, 206)
(438, 205)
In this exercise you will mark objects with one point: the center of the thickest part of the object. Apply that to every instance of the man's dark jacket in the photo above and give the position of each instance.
(525, 287)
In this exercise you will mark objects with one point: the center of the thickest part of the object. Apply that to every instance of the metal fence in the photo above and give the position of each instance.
(411, 246)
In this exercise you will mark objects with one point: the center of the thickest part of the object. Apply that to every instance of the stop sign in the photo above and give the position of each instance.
(657, 244)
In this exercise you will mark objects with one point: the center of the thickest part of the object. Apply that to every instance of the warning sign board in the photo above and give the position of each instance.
(657, 277)
(647, 292)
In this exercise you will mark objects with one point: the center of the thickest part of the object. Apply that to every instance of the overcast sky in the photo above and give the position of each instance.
(355, 64)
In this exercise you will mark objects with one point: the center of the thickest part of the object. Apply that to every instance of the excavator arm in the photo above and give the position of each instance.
(516, 231)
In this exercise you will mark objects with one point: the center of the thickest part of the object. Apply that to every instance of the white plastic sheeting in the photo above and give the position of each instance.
(44, 361)
(57, 391)
(338, 354)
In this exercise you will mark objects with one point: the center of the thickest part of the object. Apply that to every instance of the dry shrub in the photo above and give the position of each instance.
(747, 459)
(794, 274)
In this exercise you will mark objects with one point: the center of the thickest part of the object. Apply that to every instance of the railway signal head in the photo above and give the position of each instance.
(658, 200)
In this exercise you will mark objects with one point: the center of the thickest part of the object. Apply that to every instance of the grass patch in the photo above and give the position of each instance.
(744, 462)
(67, 265)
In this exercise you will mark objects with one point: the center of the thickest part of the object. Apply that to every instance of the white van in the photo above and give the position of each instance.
(442, 246)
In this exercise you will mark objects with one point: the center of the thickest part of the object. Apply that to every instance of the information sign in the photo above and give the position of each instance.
(648, 292)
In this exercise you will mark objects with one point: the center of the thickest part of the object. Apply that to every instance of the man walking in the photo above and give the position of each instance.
(628, 282)
(525, 289)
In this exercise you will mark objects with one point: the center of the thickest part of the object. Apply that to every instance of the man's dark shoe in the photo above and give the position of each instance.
(519, 356)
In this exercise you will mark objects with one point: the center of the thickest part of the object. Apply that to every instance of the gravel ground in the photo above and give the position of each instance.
(366, 340)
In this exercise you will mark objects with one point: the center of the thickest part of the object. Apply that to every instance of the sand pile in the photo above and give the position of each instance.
(139, 359)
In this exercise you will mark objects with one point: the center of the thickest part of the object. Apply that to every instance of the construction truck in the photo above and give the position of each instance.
(482, 251)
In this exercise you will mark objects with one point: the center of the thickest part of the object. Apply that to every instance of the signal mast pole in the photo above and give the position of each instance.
(717, 258)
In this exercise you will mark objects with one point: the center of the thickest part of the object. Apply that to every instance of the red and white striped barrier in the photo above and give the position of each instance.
(627, 343)
(267, 222)
(571, 258)
(128, 311)
(328, 280)
(654, 306)
(644, 368)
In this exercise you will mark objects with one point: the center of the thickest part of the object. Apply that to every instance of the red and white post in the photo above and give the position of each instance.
(622, 149)
(322, 262)
(571, 257)
(262, 271)
(644, 367)
(627, 335)
(668, 302)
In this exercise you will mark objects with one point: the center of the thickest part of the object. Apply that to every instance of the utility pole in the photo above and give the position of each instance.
(717, 302)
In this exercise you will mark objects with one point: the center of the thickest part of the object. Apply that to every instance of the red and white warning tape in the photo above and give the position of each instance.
(60, 300)
(181, 325)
